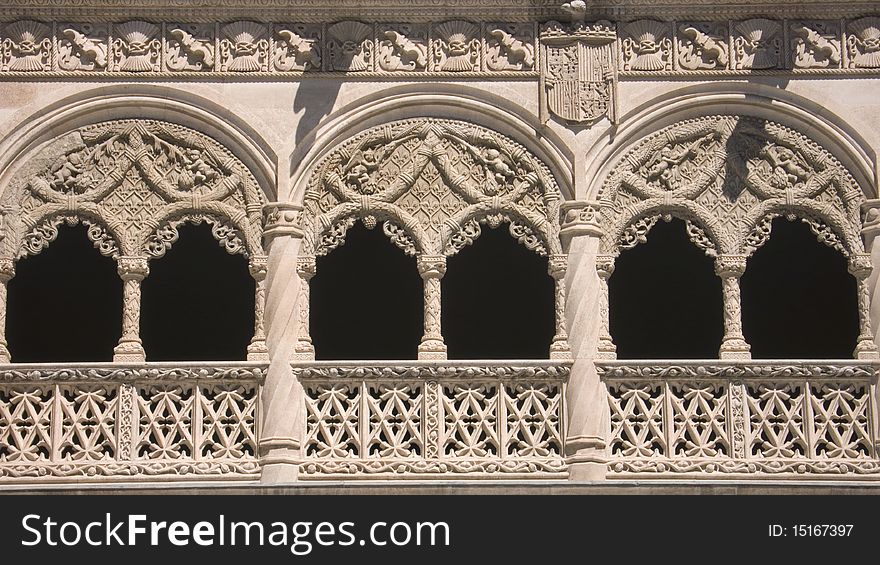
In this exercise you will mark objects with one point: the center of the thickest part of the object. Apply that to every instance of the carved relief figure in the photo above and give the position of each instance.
(403, 48)
(815, 45)
(758, 44)
(702, 46)
(82, 47)
(27, 47)
(350, 47)
(647, 46)
(136, 47)
(863, 43)
(510, 47)
(297, 48)
(189, 48)
(456, 47)
(244, 47)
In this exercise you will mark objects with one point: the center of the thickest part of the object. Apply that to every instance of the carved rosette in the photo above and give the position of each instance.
(579, 71)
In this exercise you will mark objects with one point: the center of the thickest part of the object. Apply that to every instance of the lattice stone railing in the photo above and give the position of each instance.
(433, 418)
(705, 418)
(153, 421)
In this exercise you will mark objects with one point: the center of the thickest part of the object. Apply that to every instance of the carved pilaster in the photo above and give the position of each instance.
(7, 271)
(860, 267)
(579, 217)
(730, 268)
(556, 267)
(257, 350)
(132, 270)
(304, 350)
(605, 347)
(432, 268)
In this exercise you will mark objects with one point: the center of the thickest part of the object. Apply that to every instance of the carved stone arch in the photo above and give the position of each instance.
(828, 226)
(133, 181)
(432, 181)
(702, 229)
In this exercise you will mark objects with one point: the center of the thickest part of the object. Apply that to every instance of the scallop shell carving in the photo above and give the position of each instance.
(864, 43)
(136, 32)
(27, 30)
(32, 57)
(760, 31)
(646, 38)
(244, 32)
(464, 30)
(350, 31)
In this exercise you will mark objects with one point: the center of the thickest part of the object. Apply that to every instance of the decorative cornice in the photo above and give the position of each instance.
(660, 467)
(554, 372)
(110, 374)
(760, 369)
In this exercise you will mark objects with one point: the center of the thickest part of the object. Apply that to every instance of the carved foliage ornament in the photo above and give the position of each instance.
(578, 72)
(728, 177)
(132, 182)
(432, 183)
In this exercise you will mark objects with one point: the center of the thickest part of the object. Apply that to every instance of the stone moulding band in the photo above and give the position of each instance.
(149, 372)
(756, 369)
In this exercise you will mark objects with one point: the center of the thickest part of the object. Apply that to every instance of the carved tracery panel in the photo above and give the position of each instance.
(132, 183)
(432, 184)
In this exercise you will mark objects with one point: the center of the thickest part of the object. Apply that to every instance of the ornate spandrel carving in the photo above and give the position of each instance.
(350, 47)
(703, 46)
(863, 43)
(757, 44)
(578, 71)
(136, 47)
(82, 47)
(815, 45)
(646, 46)
(402, 47)
(244, 47)
(296, 47)
(510, 47)
(27, 47)
(189, 47)
(455, 47)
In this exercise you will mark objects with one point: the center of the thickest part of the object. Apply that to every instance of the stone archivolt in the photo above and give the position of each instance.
(132, 183)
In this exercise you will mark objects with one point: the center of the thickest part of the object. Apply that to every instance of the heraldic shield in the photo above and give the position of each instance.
(579, 71)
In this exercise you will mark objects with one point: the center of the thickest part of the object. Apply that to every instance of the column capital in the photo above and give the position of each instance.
(580, 217)
(257, 265)
(132, 268)
(730, 266)
(860, 265)
(306, 267)
(7, 269)
(871, 218)
(605, 265)
(431, 266)
(282, 218)
(557, 264)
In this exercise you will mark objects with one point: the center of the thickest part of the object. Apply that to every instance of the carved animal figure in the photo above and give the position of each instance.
(517, 51)
(713, 50)
(409, 51)
(304, 51)
(91, 50)
(819, 44)
(192, 45)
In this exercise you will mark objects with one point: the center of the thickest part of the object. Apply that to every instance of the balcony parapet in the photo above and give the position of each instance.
(448, 419)
(771, 418)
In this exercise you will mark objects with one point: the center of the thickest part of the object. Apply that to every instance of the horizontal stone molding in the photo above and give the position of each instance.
(757, 369)
(18, 373)
(461, 468)
(552, 371)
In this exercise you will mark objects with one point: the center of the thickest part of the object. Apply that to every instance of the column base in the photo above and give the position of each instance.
(735, 349)
(5, 356)
(280, 458)
(129, 352)
(257, 351)
(587, 465)
(559, 349)
(432, 350)
(304, 351)
(866, 349)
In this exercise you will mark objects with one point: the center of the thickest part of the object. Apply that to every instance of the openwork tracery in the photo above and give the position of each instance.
(728, 177)
(433, 183)
(132, 183)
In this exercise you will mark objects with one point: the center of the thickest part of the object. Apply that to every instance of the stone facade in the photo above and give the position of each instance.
(577, 127)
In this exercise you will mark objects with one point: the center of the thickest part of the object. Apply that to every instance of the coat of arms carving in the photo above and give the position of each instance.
(579, 71)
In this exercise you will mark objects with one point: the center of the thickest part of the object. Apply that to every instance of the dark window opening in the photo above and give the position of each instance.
(799, 300)
(498, 300)
(665, 299)
(65, 304)
(366, 300)
(197, 302)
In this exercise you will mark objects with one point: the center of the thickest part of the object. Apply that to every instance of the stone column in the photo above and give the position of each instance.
(132, 270)
(304, 350)
(860, 267)
(257, 350)
(432, 268)
(731, 268)
(556, 267)
(282, 396)
(7, 271)
(588, 421)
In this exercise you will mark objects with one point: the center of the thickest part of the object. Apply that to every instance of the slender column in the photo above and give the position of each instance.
(257, 350)
(556, 267)
(860, 267)
(282, 396)
(304, 350)
(7, 271)
(605, 348)
(432, 268)
(132, 270)
(734, 345)
(587, 417)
